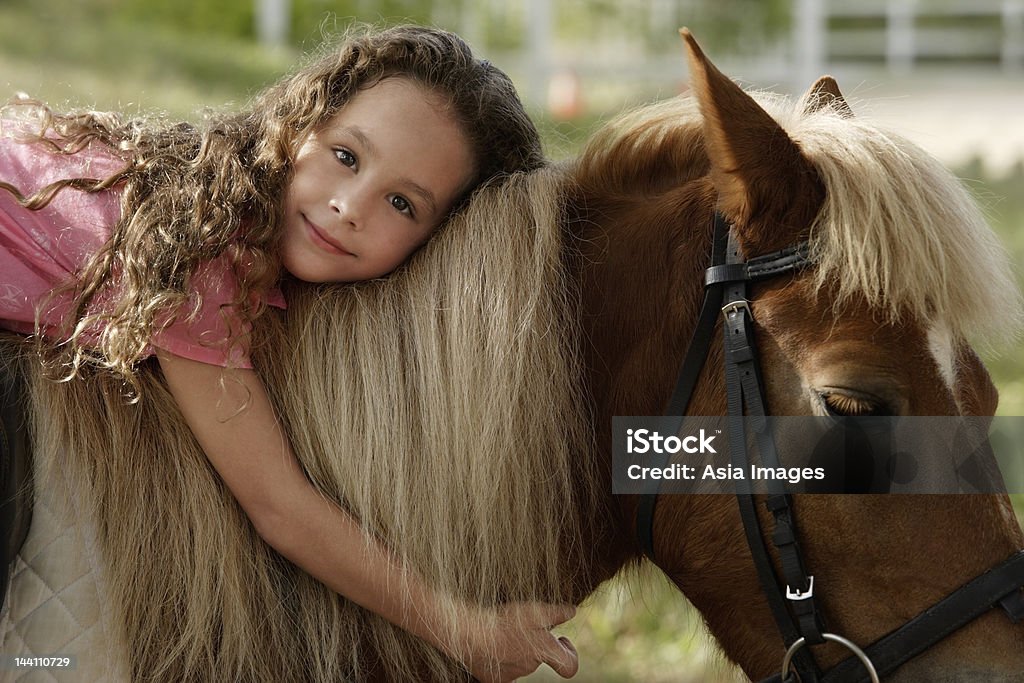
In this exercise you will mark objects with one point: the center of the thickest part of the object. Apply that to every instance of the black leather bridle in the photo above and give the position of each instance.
(791, 596)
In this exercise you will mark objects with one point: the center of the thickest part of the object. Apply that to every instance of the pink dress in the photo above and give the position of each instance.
(42, 249)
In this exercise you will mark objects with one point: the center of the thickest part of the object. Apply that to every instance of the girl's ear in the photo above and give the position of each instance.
(766, 187)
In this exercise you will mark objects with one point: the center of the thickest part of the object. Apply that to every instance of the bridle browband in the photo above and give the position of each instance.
(791, 600)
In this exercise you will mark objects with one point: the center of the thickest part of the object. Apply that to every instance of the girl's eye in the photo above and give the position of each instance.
(401, 204)
(346, 157)
(845, 405)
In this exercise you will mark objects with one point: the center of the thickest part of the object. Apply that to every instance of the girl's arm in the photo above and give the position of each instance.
(251, 453)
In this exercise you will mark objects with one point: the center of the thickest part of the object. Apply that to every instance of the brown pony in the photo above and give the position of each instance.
(462, 410)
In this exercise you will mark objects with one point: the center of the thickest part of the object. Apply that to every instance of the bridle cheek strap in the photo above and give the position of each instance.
(725, 294)
(795, 611)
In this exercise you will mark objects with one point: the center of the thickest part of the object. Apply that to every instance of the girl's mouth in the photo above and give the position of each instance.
(323, 240)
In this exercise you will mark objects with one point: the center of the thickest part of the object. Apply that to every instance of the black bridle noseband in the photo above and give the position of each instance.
(791, 596)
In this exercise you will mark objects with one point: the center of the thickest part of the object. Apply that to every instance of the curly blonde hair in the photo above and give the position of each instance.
(191, 193)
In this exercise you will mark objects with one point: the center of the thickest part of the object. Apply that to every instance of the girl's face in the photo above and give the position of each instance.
(371, 184)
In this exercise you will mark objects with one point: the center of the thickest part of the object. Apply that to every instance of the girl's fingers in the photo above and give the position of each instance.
(561, 656)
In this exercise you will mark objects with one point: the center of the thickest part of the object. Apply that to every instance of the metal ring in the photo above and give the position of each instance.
(848, 644)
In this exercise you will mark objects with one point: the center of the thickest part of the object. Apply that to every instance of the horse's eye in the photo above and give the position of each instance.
(845, 405)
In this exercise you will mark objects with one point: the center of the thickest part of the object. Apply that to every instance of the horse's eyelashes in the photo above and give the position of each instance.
(838, 405)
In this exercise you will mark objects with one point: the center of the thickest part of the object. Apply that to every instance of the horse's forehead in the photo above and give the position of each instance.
(806, 322)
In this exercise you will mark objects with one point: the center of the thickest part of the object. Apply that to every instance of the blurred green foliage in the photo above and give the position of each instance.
(82, 54)
(235, 19)
(229, 18)
(737, 25)
(1002, 199)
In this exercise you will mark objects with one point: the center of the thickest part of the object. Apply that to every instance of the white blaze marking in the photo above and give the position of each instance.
(940, 343)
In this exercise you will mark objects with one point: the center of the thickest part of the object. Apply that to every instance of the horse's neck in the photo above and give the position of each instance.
(642, 265)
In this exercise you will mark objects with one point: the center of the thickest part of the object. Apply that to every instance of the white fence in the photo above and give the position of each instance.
(632, 43)
(904, 34)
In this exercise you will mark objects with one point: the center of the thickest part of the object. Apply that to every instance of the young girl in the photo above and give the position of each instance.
(123, 239)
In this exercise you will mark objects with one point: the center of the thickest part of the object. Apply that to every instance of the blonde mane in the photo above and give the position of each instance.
(442, 406)
(900, 229)
(644, 150)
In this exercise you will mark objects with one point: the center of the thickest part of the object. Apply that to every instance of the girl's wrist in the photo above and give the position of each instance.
(430, 618)
(450, 626)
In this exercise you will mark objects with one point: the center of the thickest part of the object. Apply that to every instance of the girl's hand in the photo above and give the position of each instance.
(515, 639)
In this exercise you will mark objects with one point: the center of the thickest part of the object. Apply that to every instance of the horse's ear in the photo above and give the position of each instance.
(825, 94)
(765, 185)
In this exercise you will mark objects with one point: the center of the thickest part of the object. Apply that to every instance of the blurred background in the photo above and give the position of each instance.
(948, 74)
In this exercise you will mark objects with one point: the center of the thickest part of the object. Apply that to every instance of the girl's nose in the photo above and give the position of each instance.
(349, 207)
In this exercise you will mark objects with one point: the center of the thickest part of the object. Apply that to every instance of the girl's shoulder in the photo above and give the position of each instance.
(213, 332)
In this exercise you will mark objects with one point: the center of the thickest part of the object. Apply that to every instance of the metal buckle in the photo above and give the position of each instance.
(733, 307)
(792, 594)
